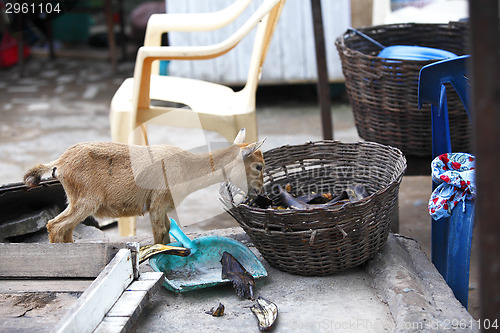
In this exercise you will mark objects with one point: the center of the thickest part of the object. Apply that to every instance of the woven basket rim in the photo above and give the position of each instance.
(340, 40)
(348, 205)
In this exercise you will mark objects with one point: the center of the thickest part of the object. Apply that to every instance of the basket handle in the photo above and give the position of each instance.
(365, 36)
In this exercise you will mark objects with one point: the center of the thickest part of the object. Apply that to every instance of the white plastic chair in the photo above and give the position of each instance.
(215, 107)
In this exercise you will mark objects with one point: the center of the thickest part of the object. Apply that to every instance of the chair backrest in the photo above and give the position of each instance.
(265, 18)
(434, 75)
(431, 90)
(262, 42)
(203, 22)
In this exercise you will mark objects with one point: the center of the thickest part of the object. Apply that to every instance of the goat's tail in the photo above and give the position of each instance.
(33, 176)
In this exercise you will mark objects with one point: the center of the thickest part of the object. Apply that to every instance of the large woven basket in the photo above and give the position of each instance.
(323, 241)
(383, 94)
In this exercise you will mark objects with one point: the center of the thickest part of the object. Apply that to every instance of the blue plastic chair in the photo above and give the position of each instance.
(451, 236)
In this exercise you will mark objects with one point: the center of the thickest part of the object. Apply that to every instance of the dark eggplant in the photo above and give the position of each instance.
(316, 198)
(261, 201)
(290, 201)
(350, 194)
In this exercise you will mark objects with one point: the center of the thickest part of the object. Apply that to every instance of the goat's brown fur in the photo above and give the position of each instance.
(106, 179)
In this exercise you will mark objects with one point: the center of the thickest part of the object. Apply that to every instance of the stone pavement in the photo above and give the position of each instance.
(65, 101)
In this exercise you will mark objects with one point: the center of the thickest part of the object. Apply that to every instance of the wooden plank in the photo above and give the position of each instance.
(129, 306)
(145, 277)
(147, 281)
(45, 285)
(114, 325)
(37, 260)
(131, 302)
(53, 260)
(96, 301)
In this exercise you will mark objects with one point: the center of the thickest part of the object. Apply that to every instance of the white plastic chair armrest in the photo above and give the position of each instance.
(205, 51)
(159, 24)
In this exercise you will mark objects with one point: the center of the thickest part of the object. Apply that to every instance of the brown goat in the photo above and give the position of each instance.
(107, 179)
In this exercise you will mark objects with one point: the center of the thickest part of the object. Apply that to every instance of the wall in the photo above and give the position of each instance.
(291, 57)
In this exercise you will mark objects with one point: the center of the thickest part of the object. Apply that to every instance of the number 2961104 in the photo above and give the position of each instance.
(34, 7)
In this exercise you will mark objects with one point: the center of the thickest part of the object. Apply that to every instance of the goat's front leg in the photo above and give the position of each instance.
(161, 226)
(61, 227)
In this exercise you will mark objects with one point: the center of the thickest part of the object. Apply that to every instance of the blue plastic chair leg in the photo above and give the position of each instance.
(452, 242)
(461, 226)
(439, 246)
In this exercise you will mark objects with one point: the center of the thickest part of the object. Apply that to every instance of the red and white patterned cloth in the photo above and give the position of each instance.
(455, 174)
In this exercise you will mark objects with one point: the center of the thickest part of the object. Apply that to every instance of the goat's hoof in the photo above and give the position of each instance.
(54, 238)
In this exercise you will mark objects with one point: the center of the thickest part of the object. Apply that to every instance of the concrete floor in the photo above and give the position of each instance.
(62, 102)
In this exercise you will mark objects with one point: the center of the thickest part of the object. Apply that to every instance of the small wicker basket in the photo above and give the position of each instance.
(323, 241)
(383, 94)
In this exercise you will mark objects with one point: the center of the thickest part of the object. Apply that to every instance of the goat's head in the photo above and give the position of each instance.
(253, 178)
(254, 168)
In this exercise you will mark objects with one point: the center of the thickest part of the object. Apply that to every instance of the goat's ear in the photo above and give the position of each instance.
(240, 138)
(249, 149)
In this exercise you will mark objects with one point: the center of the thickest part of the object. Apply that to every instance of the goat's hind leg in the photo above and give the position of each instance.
(61, 227)
(161, 226)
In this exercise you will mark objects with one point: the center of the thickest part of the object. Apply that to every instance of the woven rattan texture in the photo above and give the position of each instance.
(324, 241)
(383, 94)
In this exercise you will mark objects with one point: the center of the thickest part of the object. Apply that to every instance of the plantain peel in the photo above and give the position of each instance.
(216, 312)
(266, 313)
(242, 281)
(146, 252)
